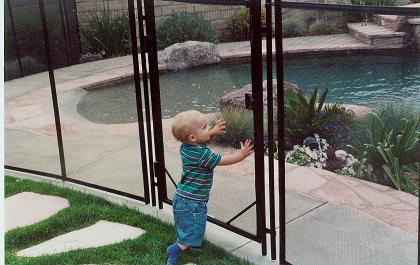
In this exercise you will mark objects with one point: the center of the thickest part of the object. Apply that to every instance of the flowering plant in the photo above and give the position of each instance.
(305, 156)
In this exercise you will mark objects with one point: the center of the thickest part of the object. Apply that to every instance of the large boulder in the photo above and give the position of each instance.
(237, 97)
(189, 54)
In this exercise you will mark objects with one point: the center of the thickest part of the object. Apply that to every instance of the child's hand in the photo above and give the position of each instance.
(247, 148)
(219, 128)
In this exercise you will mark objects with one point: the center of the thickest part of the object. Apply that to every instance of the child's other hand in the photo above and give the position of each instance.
(247, 148)
(220, 127)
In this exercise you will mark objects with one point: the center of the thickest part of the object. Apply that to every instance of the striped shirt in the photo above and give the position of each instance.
(198, 162)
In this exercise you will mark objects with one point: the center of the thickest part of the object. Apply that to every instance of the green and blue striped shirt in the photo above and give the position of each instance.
(198, 162)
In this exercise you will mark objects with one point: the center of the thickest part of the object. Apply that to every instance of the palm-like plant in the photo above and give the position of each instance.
(301, 113)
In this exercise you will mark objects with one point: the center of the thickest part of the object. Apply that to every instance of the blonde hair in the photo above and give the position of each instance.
(183, 124)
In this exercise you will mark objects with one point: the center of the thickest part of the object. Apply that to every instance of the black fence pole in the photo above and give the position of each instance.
(258, 111)
(64, 30)
(155, 94)
(140, 19)
(269, 46)
(280, 130)
(12, 22)
(53, 88)
(140, 122)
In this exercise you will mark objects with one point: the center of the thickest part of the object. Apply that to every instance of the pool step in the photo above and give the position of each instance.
(380, 36)
(394, 23)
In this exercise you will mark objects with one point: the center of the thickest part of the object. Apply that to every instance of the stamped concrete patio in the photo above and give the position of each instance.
(332, 210)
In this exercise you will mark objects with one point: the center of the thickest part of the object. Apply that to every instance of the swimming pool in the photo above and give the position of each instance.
(360, 80)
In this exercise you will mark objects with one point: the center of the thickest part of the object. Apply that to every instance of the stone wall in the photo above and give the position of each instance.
(216, 14)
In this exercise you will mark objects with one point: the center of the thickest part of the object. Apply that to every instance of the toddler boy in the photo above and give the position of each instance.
(193, 191)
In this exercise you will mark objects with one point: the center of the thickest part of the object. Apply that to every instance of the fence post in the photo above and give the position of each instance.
(53, 88)
(258, 111)
(156, 107)
(280, 130)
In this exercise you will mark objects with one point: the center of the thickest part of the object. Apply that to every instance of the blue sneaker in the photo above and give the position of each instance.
(173, 254)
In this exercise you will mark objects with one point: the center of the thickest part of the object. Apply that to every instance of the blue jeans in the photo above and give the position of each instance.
(190, 220)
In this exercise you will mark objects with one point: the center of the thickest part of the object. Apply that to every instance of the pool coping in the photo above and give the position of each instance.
(243, 55)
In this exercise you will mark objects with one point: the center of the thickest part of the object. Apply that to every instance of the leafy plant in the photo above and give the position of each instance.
(239, 24)
(30, 40)
(109, 32)
(184, 26)
(336, 124)
(301, 114)
(388, 155)
(293, 28)
(321, 27)
(239, 126)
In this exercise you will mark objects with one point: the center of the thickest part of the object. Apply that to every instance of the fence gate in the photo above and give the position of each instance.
(238, 202)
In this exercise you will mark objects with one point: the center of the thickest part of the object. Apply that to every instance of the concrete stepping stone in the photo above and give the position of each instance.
(100, 234)
(27, 208)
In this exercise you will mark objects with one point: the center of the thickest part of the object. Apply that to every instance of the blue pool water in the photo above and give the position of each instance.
(361, 80)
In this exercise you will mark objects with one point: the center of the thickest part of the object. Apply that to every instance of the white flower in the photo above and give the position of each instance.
(311, 164)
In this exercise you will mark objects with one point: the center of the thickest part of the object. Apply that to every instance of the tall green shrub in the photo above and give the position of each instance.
(184, 26)
(30, 40)
(238, 24)
(109, 32)
(239, 126)
(390, 148)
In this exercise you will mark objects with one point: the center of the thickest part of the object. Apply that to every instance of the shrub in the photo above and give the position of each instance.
(108, 32)
(29, 66)
(336, 124)
(322, 27)
(184, 26)
(239, 24)
(29, 33)
(389, 151)
(293, 28)
(239, 126)
(300, 115)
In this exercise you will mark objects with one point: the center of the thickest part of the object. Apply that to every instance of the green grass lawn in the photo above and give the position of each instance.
(85, 210)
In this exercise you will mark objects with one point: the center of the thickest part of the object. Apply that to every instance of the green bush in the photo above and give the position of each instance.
(29, 33)
(29, 66)
(310, 26)
(293, 28)
(336, 124)
(109, 32)
(305, 117)
(238, 24)
(301, 114)
(184, 26)
(390, 148)
(239, 126)
(322, 27)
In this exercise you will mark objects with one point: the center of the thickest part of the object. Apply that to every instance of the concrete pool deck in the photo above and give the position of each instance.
(319, 202)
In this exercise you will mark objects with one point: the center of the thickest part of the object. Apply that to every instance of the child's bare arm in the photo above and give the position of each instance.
(246, 150)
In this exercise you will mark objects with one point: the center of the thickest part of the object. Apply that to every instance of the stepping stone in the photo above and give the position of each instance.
(100, 234)
(28, 208)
